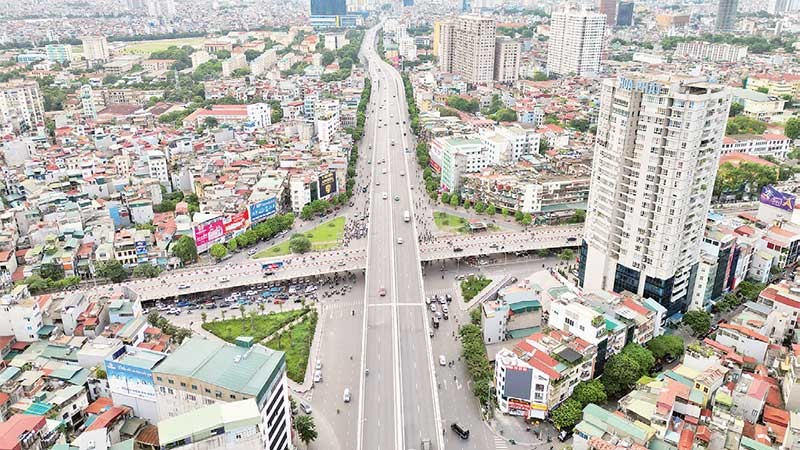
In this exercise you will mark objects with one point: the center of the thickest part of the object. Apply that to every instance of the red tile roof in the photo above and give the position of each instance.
(15, 426)
(99, 406)
(107, 418)
(745, 331)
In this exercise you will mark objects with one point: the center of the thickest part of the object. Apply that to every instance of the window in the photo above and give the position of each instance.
(208, 391)
(183, 384)
(233, 397)
(171, 381)
(191, 397)
(162, 389)
(194, 387)
(170, 390)
(159, 379)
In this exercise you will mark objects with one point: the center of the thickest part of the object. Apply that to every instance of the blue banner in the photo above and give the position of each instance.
(263, 209)
(773, 197)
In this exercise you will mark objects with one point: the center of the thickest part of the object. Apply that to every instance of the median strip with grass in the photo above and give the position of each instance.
(325, 236)
(471, 286)
(296, 343)
(450, 222)
(256, 326)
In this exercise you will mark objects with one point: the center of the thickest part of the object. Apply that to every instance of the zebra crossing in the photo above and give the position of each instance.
(440, 292)
(500, 443)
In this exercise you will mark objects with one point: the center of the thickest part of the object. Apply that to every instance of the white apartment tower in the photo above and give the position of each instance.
(467, 47)
(658, 145)
(87, 102)
(95, 49)
(576, 42)
(21, 105)
(506, 59)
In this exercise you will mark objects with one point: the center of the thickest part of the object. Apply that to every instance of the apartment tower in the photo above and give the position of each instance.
(467, 46)
(506, 59)
(609, 8)
(95, 50)
(576, 42)
(21, 105)
(658, 145)
(726, 15)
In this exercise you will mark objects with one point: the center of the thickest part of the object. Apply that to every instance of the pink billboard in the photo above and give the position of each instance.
(208, 233)
(236, 222)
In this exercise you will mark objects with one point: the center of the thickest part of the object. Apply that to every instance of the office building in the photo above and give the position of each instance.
(658, 146)
(625, 14)
(202, 372)
(95, 50)
(21, 105)
(467, 48)
(576, 42)
(328, 7)
(506, 59)
(609, 8)
(726, 16)
(60, 53)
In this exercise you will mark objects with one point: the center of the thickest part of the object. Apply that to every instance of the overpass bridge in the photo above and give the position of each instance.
(193, 281)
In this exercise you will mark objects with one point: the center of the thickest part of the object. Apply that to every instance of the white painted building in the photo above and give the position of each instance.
(157, 166)
(20, 315)
(576, 42)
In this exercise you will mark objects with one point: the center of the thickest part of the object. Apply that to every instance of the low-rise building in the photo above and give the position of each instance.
(234, 426)
(772, 145)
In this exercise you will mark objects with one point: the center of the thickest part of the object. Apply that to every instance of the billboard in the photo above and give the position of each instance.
(208, 233)
(130, 380)
(436, 167)
(263, 209)
(141, 247)
(773, 197)
(327, 184)
(236, 222)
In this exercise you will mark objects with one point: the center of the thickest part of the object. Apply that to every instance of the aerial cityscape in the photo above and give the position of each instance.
(399, 225)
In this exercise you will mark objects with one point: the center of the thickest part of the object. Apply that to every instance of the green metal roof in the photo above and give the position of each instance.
(45, 330)
(603, 419)
(224, 365)
(750, 444)
(696, 396)
(143, 359)
(525, 306)
(197, 425)
(678, 377)
(9, 374)
(523, 332)
(59, 352)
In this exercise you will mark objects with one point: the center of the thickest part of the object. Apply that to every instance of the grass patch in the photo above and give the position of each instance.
(259, 327)
(325, 236)
(471, 286)
(449, 222)
(296, 343)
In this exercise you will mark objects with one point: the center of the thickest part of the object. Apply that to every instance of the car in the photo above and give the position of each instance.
(462, 432)
(572, 239)
(251, 252)
(397, 198)
(223, 279)
(399, 240)
(305, 407)
(397, 123)
(448, 298)
(445, 309)
(669, 359)
(384, 170)
(402, 173)
(346, 395)
(377, 182)
(318, 365)
(369, 162)
(385, 196)
(427, 300)
(433, 307)
(317, 376)
(442, 360)
(442, 301)
(458, 249)
(382, 291)
(183, 286)
(564, 435)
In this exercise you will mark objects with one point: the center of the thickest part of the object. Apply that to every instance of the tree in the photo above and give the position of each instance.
(112, 270)
(620, 374)
(544, 146)
(218, 251)
(491, 210)
(527, 219)
(792, 128)
(518, 215)
(475, 316)
(462, 104)
(299, 244)
(763, 90)
(567, 415)
(539, 76)
(644, 359)
(100, 373)
(306, 429)
(146, 271)
(185, 249)
(698, 321)
(591, 391)
(745, 125)
(454, 200)
(51, 271)
(153, 318)
(505, 115)
(445, 197)
(251, 54)
(736, 109)
(566, 255)
(581, 125)
(666, 344)
(203, 316)
(232, 245)
(210, 122)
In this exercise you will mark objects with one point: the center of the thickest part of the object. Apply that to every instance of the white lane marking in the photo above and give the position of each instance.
(415, 305)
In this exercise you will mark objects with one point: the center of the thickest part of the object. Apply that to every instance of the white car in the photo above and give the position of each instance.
(402, 173)
(318, 376)
(399, 240)
(385, 196)
(384, 170)
(223, 279)
(346, 395)
(442, 360)
(183, 286)
(318, 366)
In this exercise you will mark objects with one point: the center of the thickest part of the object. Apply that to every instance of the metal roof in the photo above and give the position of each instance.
(200, 424)
(225, 365)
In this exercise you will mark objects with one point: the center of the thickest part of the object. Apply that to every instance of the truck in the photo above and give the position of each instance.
(406, 216)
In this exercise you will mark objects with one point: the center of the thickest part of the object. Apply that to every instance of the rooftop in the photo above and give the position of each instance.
(205, 422)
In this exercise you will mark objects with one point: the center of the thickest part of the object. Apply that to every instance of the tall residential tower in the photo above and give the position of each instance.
(467, 47)
(726, 15)
(657, 149)
(576, 42)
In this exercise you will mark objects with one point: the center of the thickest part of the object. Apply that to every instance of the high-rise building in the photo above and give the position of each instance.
(576, 42)
(467, 48)
(87, 102)
(465, 6)
(203, 372)
(726, 15)
(506, 59)
(625, 14)
(95, 49)
(408, 2)
(328, 7)
(436, 37)
(609, 8)
(59, 53)
(656, 153)
(21, 105)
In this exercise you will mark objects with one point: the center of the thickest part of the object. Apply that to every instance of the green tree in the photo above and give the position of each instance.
(251, 54)
(620, 374)
(203, 316)
(454, 200)
(581, 125)
(644, 359)
(763, 90)
(232, 245)
(666, 344)
(299, 244)
(566, 255)
(462, 104)
(519, 215)
(211, 122)
(539, 76)
(185, 249)
(100, 373)
(745, 125)
(306, 429)
(505, 115)
(544, 146)
(51, 271)
(146, 271)
(567, 415)
(792, 128)
(698, 321)
(491, 210)
(736, 109)
(111, 270)
(445, 197)
(475, 316)
(591, 391)
(218, 251)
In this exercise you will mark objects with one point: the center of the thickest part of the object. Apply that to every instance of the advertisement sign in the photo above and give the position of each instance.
(773, 197)
(263, 209)
(518, 407)
(236, 222)
(141, 247)
(130, 380)
(208, 233)
(327, 184)
(436, 167)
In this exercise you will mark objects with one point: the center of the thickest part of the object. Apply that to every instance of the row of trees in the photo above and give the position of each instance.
(745, 125)
(176, 333)
(474, 352)
(743, 178)
(413, 112)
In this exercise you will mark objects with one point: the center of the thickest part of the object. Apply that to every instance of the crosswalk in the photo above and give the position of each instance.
(500, 443)
(440, 292)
